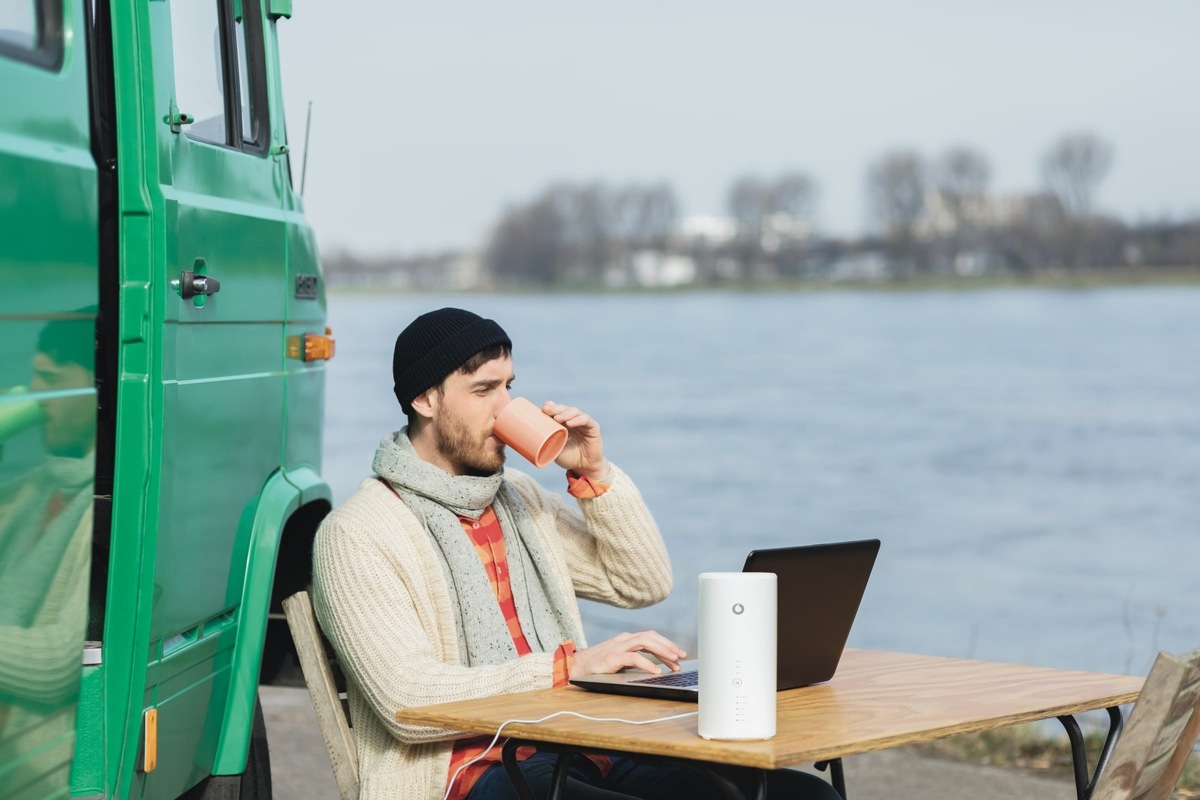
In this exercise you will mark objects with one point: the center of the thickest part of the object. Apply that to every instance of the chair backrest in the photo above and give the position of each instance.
(316, 664)
(1158, 739)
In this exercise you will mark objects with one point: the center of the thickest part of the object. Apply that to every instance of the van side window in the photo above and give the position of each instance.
(252, 76)
(31, 31)
(219, 75)
(199, 76)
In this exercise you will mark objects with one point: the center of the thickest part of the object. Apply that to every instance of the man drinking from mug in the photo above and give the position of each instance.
(448, 577)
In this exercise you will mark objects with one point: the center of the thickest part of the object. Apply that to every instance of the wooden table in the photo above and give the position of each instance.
(876, 700)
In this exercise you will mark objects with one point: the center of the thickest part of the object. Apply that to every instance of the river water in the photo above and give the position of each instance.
(1029, 458)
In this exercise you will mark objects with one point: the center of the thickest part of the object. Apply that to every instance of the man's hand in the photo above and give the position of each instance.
(627, 650)
(584, 451)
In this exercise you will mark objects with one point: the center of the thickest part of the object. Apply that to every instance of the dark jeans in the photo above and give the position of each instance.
(629, 779)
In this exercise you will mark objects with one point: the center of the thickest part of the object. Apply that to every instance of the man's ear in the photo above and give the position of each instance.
(426, 403)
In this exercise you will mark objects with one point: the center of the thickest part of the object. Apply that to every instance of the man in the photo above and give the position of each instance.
(45, 551)
(447, 577)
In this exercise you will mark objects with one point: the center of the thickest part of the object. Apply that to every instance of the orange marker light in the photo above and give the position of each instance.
(312, 346)
(150, 756)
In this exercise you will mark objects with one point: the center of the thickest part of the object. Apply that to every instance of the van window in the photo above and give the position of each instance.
(244, 81)
(31, 31)
(219, 75)
(199, 75)
(18, 24)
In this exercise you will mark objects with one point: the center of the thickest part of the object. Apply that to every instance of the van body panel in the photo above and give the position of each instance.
(48, 304)
(169, 233)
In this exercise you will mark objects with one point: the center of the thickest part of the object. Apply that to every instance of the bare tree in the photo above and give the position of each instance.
(792, 206)
(643, 219)
(575, 233)
(645, 215)
(749, 203)
(1073, 169)
(794, 194)
(896, 193)
(586, 214)
(526, 246)
(961, 177)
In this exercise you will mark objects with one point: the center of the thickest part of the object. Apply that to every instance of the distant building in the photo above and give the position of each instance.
(653, 268)
(707, 229)
(446, 271)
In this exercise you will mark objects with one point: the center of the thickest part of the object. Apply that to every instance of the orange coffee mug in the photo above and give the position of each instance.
(522, 426)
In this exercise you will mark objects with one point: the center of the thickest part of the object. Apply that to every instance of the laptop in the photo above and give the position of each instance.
(820, 587)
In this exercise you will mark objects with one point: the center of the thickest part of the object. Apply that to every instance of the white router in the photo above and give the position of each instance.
(737, 655)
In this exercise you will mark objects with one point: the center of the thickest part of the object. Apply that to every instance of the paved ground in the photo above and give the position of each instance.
(300, 766)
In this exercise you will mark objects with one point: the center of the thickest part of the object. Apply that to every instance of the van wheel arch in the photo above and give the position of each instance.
(293, 573)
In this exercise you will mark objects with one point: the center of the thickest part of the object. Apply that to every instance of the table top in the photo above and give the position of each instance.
(876, 700)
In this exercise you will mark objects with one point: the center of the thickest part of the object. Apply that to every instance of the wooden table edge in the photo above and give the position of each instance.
(743, 753)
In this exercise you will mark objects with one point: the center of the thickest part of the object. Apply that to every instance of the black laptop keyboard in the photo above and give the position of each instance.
(673, 679)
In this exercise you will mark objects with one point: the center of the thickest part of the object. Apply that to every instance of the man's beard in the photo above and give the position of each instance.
(472, 456)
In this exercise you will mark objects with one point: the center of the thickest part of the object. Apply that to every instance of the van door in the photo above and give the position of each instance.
(222, 386)
(48, 297)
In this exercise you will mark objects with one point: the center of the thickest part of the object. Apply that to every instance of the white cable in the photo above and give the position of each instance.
(496, 738)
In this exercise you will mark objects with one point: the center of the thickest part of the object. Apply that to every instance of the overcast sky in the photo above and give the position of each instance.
(428, 118)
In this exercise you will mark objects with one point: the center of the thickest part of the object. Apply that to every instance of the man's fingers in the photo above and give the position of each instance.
(569, 416)
(662, 647)
(653, 643)
(643, 663)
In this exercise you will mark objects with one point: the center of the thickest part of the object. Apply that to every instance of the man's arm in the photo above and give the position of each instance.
(611, 546)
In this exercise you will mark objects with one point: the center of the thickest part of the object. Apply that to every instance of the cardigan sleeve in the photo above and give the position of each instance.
(380, 597)
(611, 544)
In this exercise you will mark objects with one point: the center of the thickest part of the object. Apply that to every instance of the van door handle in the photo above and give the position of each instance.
(191, 284)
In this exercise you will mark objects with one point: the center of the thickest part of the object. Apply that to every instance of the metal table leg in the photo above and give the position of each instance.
(562, 767)
(1085, 785)
(837, 775)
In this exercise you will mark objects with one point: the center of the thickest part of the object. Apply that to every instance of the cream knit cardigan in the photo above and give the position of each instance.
(381, 597)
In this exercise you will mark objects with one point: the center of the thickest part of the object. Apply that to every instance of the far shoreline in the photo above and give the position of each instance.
(1045, 279)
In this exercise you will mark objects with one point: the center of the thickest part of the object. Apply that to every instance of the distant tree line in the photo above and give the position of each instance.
(574, 233)
(932, 214)
(927, 216)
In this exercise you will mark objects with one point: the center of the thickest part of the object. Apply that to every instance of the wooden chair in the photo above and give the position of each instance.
(1163, 727)
(318, 668)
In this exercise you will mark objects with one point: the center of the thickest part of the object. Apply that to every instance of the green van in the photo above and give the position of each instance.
(161, 395)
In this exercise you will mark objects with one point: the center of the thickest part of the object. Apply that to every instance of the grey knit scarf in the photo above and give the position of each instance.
(438, 498)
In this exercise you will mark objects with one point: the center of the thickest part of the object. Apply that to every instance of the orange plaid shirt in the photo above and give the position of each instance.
(488, 539)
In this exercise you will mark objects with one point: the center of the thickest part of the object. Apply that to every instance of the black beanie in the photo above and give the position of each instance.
(436, 344)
